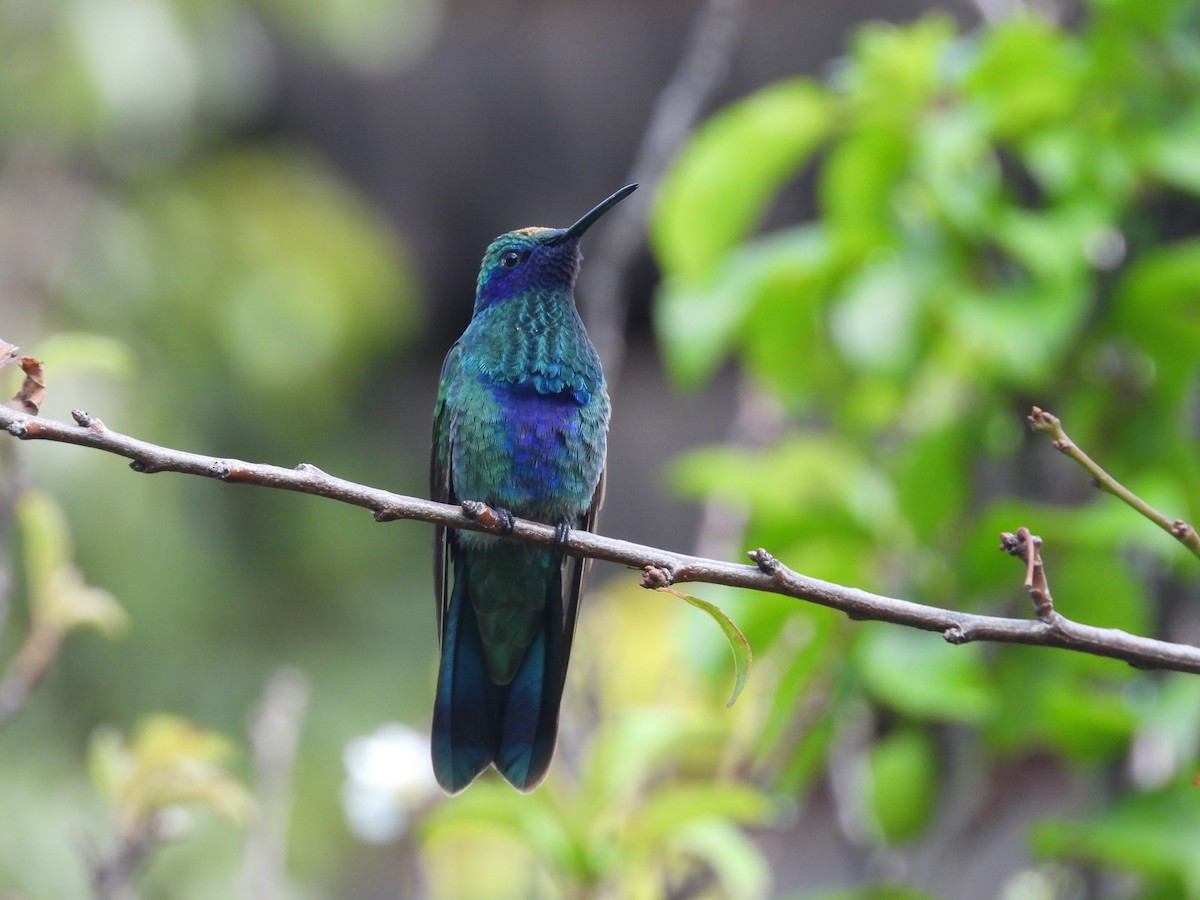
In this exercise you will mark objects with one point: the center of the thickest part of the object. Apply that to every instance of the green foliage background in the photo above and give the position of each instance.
(1001, 217)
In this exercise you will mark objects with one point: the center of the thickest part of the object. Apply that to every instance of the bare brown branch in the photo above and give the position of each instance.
(26, 669)
(659, 567)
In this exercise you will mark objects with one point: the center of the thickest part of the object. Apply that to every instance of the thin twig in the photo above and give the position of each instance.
(659, 567)
(112, 877)
(27, 667)
(1040, 420)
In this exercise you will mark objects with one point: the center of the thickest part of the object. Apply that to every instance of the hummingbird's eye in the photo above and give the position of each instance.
(510, 259)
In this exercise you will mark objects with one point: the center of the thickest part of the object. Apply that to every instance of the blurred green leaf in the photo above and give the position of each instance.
(627, 755)
(920, 675)
(260, 267)
(993, 328)
(1157, 302)
(739, 864)
(1072, 704)
(894, 70)
(493, 806)
(673, 807)
(856, 188)
(720, 184)
(60, 598)
(697, 322)
(931, 480)
(1174, 154)
(814, 478)
(66, 353)
(874, 323)
(371, 37)
(1169, 721)
(957, 170)
(1098, 588)
(1151, 834)
(169, 762)
(903, 779)
(1027, 75)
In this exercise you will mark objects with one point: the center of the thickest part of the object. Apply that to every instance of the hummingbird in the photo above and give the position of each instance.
(521, 424)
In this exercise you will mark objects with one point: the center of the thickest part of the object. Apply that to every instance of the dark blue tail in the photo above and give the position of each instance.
(476, 721)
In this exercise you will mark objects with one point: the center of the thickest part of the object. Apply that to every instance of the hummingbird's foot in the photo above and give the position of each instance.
(507, 520)
(562, 534)
(494, 518)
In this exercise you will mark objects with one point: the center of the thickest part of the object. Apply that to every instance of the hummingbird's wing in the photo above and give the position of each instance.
(441, 468)
(576, 571)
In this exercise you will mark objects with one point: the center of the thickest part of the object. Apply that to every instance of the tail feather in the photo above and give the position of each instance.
(529, 726)
(465, 724)
(477, 722)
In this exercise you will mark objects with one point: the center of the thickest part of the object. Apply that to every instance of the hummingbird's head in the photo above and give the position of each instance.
(536, 258)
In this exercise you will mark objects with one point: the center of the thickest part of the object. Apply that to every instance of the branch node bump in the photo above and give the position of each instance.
(309, 469)
(1182, 530)
(655, 577)
(18, 430)
(86, 420)
(220, 468)
(767, 564)
(140, 465)
(385, 514)
(956, 635)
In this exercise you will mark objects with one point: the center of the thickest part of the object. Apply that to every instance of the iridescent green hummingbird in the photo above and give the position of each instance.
(520, 424)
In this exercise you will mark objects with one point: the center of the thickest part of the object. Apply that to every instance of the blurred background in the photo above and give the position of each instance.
(251, 228)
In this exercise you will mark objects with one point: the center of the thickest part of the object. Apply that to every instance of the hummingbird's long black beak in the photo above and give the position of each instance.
(589, 218)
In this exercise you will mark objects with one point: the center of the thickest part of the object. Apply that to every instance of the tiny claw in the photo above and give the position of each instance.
(562, 535)
(506, 519)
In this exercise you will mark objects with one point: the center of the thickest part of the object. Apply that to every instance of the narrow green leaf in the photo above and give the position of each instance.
(742, 655)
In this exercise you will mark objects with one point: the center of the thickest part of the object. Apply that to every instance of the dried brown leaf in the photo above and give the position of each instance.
(33, 389)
